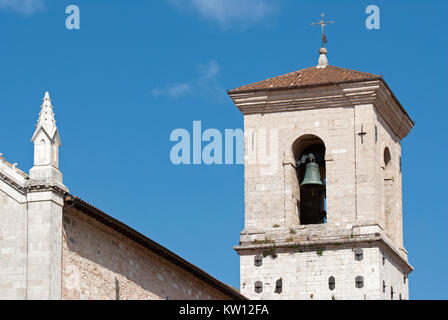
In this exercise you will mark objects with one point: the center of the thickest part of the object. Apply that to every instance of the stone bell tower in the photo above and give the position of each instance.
(325, 221)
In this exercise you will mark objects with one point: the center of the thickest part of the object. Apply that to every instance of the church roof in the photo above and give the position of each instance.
(102, 217)
(313, 76)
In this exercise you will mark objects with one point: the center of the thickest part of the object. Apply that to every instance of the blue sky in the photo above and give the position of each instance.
(137, 70)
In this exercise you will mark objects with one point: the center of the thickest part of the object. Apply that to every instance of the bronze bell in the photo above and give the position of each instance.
(312, 178)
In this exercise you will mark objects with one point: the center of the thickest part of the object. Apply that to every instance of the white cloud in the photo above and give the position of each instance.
(173, 91)
(25, 7)
(229, 13)
(206, 83)
(210, 69)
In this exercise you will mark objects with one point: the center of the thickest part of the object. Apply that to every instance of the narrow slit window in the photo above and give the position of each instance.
(117, 289)
(331, 283)
(258, 287)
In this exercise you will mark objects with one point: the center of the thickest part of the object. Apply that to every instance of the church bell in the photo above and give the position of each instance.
(312, 178)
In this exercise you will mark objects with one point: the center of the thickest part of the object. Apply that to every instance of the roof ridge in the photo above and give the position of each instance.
(309, 77)
(353, 70)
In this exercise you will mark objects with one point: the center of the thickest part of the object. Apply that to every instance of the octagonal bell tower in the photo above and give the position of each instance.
(323, 190)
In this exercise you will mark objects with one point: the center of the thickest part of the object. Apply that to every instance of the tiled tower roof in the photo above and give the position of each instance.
(313, 76)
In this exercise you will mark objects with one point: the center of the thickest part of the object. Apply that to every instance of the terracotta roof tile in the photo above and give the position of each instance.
(309, 77)
(10, 165)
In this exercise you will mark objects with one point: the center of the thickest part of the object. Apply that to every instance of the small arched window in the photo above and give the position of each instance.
(41, 152)
(388, 198)
(387, 157)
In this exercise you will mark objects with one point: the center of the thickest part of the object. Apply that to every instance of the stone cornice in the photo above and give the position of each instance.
(392, 112)
(23, 187)
(12, 183)
(368, 240)
(375, 92)
(42, 188)
(31, 188)
(13, 177)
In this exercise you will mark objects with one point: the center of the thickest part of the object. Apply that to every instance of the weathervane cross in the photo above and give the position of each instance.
(323, 24)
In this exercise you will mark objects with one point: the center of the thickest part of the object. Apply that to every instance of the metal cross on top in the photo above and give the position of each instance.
(323, 24)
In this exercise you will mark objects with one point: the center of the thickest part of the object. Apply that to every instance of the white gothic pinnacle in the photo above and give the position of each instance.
(46, 115)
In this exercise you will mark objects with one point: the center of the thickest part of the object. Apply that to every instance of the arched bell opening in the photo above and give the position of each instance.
(309, 155)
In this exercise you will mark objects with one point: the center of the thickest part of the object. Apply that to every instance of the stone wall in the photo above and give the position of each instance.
(305, 275)
(49, 254)
(13, 243)
(389, 183)
(100, 263)
(355, 169)
(392, 277)
(270, 198)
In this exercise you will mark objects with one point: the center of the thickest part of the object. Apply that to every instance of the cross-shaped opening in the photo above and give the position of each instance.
(359, 254)
(359, 281)
(362, 134)
(258, 260)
